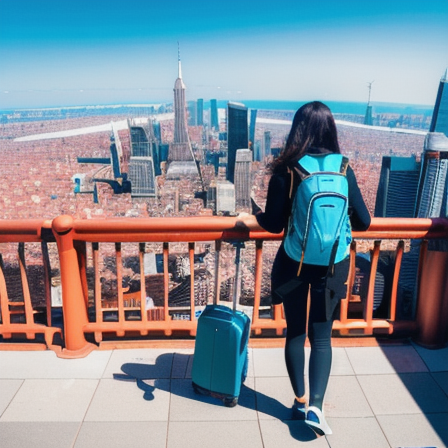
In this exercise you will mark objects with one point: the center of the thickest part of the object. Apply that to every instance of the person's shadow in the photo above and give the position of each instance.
(249, 398)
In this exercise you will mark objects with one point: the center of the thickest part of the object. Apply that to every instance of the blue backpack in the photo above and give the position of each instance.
(319, 230)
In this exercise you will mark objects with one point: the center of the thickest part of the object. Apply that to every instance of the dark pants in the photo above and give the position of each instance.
(295, 299)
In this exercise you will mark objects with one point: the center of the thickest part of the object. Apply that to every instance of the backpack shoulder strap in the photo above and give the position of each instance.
(294, 180)
(291, 184)
(344, 165)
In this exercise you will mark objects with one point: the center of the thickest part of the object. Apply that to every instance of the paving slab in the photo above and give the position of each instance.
(416, 430)
(216, 434)
(186, 405)
(51, 400)
(122, 434)
(274, 397)
(8, 389)
(290, 434)
(140, 363)
(345, 398)
(38, 434)
(384, 360)
(436, 360)
(341, 364)
(180, 367)
(442, 380)
(269, 362)
(356, 432)
(126, 401)
(35, 364)
(410, 393)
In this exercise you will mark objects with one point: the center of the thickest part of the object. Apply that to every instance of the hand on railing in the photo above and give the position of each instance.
(247, 221)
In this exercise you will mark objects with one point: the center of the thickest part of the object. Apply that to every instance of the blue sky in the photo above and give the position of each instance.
(83, 52)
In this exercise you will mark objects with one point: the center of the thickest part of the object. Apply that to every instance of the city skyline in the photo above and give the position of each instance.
(85, 52)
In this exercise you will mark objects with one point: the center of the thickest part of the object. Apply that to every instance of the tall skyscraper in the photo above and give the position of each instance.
(266, 146)
(237, 135)
(200, 112)
(143, 163)
(243, 182)
(253, 121)
(181, 161)
(397, 188)
(431, 202)
(214, 123)
(192, 113)
(257, 151)
(144, 141)
(439, 122)
(432, 189)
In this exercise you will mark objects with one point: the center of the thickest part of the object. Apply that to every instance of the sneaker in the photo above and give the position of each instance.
(298, 410)
(315, 419)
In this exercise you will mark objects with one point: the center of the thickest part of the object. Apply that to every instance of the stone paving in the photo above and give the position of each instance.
(381, 396)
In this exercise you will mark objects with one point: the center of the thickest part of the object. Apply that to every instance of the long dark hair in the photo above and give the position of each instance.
(313, 126)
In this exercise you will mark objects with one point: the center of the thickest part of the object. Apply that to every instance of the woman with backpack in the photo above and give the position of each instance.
(313, 135)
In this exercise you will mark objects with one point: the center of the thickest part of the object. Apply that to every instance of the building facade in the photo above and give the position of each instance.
(243, 182)
(214, 123)
(200, 112)
(144, 161)
(439, 122)
(237, 135)
(225, 197)
(181, 160)
(397, 188)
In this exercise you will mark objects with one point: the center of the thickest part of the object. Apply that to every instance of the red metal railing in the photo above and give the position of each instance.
(17, 317)
(79, 243)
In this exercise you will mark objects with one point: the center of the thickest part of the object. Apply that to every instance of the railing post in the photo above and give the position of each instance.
(257, 284)
(432, 306)
(73, 303)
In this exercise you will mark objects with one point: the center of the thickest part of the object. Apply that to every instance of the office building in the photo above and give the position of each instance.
(266, 145)
(144, 158)
(257, 151)
(144, 142)
(439, 122)
(237, 135)
(200, 112)
(243, 182)
(431, 202)
(141, 175)
(225, 197)
(397, 188)
(432, 189)
(211, 196)
(253, 121)
(192, 113)
(214, 123)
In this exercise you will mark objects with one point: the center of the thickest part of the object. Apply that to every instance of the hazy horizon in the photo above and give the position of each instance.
(378, 106)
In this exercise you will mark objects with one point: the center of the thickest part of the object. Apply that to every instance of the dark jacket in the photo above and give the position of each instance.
(275, 219)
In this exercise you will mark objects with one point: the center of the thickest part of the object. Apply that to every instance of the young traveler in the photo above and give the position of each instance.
(312, 136)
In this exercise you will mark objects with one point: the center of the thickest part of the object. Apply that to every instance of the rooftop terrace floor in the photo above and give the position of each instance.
(382, 395)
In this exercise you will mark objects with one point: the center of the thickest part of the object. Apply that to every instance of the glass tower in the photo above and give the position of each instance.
(214, 114)
(439, 122)
(237, 135)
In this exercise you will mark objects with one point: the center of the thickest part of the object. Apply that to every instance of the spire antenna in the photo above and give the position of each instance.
(178, 60)
(370, 90)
